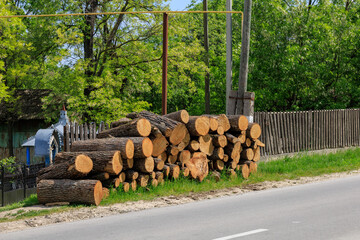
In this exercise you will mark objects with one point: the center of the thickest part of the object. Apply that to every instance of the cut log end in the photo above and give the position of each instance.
(202, 125)
(83, 164)
(144, 127)
(253, 131)
(178, 134)
(129, 149)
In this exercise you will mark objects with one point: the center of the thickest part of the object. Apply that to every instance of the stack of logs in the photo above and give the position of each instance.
(145, 149)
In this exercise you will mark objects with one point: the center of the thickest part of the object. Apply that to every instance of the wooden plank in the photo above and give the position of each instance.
(279, 128)
(292, 137)
(94, 130)
(86, 131)
(358, 126)
(303, 131)
(72, 134)
(91, 126)
(76, 132)
(332, 119)
(298, 132)
(272, 138)
(287, 132)
(322, 126)
(309, 125)
(283, 136)
(66, 138)
(277, 135)
(269, 133)
(327, 128)
(81, 132)
(317, 130)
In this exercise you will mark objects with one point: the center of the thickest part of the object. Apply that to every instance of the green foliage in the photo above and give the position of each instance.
(304, 55)
(8, 164)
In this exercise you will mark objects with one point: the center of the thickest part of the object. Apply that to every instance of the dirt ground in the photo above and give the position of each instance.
(102, 211)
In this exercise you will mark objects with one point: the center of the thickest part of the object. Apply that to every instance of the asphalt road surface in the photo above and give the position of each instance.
(323, 210)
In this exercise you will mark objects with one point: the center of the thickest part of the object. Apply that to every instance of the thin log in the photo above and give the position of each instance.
(238, 122)
(247, 154)
(219, 140)
(159, 164)
(198, 125)
(145, 165)
(128, 163)
(131, 175)
(253, 131)
(180, 116)
(193, 146)
(119, 122)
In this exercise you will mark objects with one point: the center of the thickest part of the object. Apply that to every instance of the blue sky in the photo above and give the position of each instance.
(178, 5)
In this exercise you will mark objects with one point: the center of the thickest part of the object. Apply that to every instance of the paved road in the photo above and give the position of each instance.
(326, 210)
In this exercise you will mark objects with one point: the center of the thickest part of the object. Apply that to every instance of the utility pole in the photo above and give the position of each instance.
(207, 60)
(244, 60)
(228, 53)
(165, 62)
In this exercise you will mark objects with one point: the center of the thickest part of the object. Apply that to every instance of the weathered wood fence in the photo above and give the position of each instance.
(286, 132)
(282, 132)
(77, 132)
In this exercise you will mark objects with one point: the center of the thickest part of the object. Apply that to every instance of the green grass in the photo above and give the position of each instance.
(286, 168)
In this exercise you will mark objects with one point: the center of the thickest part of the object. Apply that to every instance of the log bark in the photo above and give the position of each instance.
(145, 165)
(143, 147)
(119, 122)
(66, 190)
(137, 128)
(100, 176)
(170, 128)
(218, 165)
(245, 171)
(124, 145)
(219, 140)
(253, 131)
(238, 122)
(166, 171)
(103, 161)
(131, 175)
(112, 182)
(198, 125)
(74, 168)
(198, 166)
(231, 138)
(206, 144)
(180, 116)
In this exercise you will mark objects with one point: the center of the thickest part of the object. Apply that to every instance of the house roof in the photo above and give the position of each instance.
(27, 107)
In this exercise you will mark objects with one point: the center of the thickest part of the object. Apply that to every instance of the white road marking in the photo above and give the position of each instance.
(242, 234)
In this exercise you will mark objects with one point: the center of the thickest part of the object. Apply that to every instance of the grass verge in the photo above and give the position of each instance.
(286, 168)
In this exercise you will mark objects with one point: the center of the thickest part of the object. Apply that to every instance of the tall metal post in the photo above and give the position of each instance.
(228, 54)
(207, 58)
(244, 58)
(164, 63)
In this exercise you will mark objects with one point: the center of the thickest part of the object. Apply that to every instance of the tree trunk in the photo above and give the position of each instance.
(124, 145)
(119, 122)
(247, 154)
(131, 175)
(74, 168)
(65, 190)
(137, 128)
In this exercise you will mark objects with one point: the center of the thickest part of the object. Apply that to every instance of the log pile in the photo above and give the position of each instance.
(145, 149)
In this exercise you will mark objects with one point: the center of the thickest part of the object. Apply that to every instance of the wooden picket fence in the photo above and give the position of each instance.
(287, 132)
(282, 132)
(77, 132)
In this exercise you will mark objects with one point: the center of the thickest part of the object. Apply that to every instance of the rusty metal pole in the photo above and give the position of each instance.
(164, 63)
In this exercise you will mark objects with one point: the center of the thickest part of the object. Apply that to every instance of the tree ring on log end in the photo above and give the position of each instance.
(202, 125)
(144, 127)
(98, 193)
(129, 149)
(83, 164)
(243, 123)
(147, 147)
(178, 134)
(117, 162)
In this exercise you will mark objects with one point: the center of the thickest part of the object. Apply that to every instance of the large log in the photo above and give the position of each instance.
(198, 166)
(143, 147)
(124, 145)
(238, 122)
(233, 150)
(253, 131)
(180, 116)
(198, 125)
(137, 128)
(223, 122)
(247, 154)
(74, 168)
(103, 161)
(65, 190)
(145, 165)
(170, 128)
